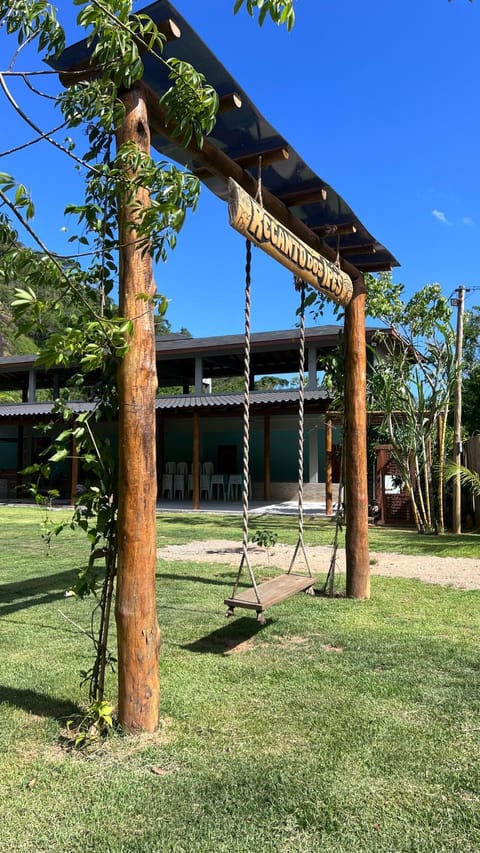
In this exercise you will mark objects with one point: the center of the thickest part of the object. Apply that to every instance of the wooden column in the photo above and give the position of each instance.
(328, 468)
(74, 472)
(198, 375)
(32, 386)
(160, 437)
(457, 416)
(135, 611)
(267, 486)
(196, 461)
(20, 440)
(355, 446)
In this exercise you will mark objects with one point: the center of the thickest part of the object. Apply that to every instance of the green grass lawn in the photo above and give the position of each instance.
(180, 528)
(340, 726)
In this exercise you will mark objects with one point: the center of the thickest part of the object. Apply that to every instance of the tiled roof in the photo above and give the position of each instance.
(19, 410)
(257, 398)
(183, 401)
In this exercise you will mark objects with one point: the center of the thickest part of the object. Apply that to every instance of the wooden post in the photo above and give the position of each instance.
(196, 461)
(160, 437)
(267, 490)
(355, 446)
(135, 611)
(457, 416)
(74, 472)
(328, 468)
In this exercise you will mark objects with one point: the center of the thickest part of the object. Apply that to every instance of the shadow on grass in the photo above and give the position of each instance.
(38, 703)
(32, 591)
(197, 578)
(226, 639)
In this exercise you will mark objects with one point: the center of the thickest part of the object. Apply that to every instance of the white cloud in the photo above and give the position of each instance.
(467, 220)
(439, 214)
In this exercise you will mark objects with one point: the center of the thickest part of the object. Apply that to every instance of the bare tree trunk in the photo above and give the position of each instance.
(136, 615)
(355, 446)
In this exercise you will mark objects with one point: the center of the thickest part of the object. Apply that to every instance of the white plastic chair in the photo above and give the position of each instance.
(234, 490)
(170, 467)
(207, 468)
(205, 485)
(182, 468)
(217, 485)
(179, 486)
(167, 485)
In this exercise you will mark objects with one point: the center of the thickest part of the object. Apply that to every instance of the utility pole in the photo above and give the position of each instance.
(457, 413)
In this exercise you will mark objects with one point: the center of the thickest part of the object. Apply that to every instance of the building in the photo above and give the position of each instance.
(189, 415)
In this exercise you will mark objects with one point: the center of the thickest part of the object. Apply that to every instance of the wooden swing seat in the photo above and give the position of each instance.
(270, 592)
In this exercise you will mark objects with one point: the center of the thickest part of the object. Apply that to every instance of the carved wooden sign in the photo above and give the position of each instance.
(255, 223)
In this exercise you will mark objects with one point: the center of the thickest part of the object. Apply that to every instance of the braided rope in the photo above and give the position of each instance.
(246, 397)
(301, 410)
(246, 431)
(300, 285)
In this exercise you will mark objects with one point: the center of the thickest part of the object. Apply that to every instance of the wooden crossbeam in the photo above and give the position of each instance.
(332, 230)
(360, 249)
(274, 155)
(84, 70)
(309, 196)
(375, 267)
(231, 101)
(249, 161)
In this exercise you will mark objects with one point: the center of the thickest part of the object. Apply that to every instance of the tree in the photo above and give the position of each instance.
(413, 389)
(137, 207)
(471, 371)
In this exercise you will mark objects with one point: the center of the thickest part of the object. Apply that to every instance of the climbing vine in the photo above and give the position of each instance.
(88, 333)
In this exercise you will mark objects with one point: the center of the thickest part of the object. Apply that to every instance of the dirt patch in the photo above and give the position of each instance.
(448, 571)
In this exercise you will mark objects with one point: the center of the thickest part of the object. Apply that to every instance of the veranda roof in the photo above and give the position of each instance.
(242, 134)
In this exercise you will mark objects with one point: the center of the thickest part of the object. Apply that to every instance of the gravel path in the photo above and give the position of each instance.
(447, 571)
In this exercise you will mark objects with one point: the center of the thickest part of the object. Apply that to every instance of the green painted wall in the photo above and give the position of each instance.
(8, 448)
(283, 450)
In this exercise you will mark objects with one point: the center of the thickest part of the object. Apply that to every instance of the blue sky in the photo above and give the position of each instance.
(379, 97)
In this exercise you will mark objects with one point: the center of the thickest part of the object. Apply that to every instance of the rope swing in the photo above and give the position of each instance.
(274, 590)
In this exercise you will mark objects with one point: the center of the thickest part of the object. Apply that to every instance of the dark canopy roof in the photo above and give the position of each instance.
(244, 133)
(271, 353)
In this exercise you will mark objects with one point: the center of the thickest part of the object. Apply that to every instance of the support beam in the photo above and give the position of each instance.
(56, 386)
(358, 249)
(32, 386)
(313, 455)
(333, 230)
(74, 472)
(380, 267)
(229, 102)
(328, 468)
(312, 369)
(20, 441)
(355, 446)
(457, 415)
(267, 486)
(198, 376)
(252, 161)
(138, 635)
(196, 462)
(308, 196)
(160, 436)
